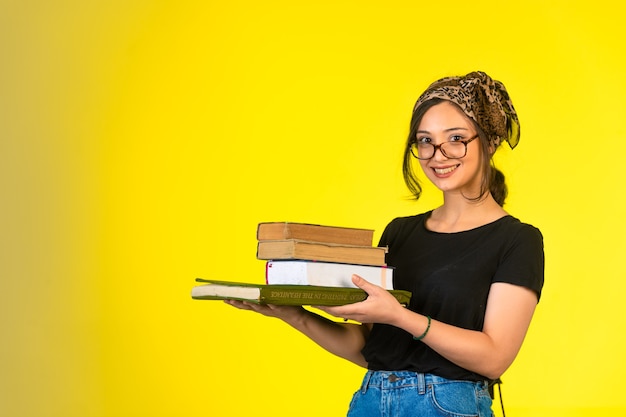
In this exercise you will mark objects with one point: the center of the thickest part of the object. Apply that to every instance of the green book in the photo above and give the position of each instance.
(284, 294)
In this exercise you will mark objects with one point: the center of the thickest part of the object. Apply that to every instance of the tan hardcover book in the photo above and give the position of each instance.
(315, 233)
(316, 251)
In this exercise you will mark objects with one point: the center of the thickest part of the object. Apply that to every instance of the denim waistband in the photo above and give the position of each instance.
(402, 379)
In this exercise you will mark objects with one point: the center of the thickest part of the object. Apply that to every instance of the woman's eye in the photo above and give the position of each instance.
(456, 138)
(423, 140)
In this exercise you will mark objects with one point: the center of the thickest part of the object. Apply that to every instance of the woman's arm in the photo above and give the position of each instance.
(342, 339)
(488, 352)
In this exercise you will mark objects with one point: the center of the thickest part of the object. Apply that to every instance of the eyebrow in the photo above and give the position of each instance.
(451, 129)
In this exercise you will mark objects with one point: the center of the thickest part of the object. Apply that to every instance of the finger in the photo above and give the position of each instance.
(235, 303)
(242, 305)
(363, 284)
(337, 311)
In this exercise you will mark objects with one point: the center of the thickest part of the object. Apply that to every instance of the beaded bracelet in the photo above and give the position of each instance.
(423, 335)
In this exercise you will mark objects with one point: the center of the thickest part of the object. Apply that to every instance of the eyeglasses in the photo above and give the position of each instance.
(452, 150)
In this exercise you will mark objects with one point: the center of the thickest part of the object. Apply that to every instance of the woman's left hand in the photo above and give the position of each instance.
(379, 307)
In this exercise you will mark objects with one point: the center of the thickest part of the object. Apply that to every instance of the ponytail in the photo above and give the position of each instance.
(497, 186)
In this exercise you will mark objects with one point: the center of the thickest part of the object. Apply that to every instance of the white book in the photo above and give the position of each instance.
(329, 274)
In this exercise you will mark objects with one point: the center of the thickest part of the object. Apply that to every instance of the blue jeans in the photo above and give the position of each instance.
(410, 394)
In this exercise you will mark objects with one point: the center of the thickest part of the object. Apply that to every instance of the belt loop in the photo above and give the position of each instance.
(366, 381)
(421, 383)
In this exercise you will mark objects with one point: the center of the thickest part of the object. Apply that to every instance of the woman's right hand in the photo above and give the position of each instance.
(285, 313)
(342, 339)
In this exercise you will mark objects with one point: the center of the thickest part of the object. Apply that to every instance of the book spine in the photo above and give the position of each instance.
(319, 296)
(304, 296)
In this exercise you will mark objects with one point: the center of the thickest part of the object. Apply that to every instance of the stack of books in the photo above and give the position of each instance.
(309, 264)
(311, 254)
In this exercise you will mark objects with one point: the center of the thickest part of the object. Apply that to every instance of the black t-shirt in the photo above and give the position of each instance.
(450, 275)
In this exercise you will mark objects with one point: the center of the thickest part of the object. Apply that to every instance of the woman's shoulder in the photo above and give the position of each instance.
(403, 221)
(402, 226)
(514, 223)
(516, 230)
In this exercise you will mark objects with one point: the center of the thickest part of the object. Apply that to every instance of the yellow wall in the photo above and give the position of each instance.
(142, 141)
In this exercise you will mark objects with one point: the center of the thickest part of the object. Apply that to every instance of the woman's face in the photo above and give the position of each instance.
(445, 122)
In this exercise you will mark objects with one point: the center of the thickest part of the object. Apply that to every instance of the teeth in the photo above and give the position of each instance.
(442, 171)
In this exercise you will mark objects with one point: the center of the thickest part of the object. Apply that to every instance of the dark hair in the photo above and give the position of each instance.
(492, 178)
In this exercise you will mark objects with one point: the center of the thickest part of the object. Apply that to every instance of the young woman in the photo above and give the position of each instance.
(476, 272)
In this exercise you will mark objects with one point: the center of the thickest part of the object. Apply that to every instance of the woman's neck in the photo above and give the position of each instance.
(459, 214)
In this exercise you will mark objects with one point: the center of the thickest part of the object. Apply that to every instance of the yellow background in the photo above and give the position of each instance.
(142, 141)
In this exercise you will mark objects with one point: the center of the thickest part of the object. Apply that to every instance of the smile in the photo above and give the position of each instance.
(444, 171)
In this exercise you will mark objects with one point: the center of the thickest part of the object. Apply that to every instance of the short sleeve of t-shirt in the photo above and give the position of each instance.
(522, 260)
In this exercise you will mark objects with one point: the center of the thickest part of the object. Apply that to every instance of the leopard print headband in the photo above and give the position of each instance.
(482, 99)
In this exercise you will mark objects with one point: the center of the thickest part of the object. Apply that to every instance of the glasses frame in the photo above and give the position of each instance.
(464, 142)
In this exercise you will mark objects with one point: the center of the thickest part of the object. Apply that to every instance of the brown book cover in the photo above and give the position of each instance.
(316, 251)
(315, 233)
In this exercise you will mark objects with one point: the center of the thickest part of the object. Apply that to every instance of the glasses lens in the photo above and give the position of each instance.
(423, 150)
(454, 149)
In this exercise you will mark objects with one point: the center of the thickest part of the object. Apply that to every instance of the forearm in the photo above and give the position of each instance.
(468, 349)
(488, 352)
(342, 339)
(472, 350)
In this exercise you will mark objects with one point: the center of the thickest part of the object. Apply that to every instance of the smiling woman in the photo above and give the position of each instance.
(476, 272)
